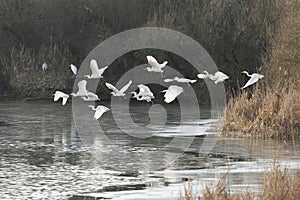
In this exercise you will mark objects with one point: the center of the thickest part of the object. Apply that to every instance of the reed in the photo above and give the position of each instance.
(26, 77)
(277, 184)
(272, 109)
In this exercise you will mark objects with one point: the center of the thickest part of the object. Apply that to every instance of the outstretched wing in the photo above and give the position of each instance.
(251, 81)
(74, 69)
(99, 111)
(172, 92)
(82, 86)
(111, 87)
(101, 71)
(65, 99)
(123, 90)
(57, 95)
(168, 80)
(153, 62)
(94, 67)
(221, 75)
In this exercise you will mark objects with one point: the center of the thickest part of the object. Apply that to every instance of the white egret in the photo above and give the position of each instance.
(203, 76)
(116, 92)
(74, 69)
(144, 90)
(96, 72)
(154, 65)
(254, 78)
(171, 93)
(44, 66)
(81, 89)
(218, 77)
(58, 94)
(179, 80)
(90, 96)
(141, 98)
(99, 110)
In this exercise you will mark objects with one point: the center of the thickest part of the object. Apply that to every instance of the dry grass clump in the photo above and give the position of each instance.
(280, 184)
(266, 114)
(24, 69)
(277, 184)
(273, 109)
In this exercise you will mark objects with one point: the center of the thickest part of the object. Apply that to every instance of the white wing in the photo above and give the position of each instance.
(74, 69)
(99, 111)
(82, 87)
(254, 78)
(221, 75)
(172, 92)
(145, 91)
(202, 76)
(123, 90)
(153, 62)
(58, 94)
(65, 99)
(101, 71)
(91, 97)
(44, 66)
(168, 80)
(111, 87)
(94, 67)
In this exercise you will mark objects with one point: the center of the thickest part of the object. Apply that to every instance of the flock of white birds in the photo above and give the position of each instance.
(144, 94)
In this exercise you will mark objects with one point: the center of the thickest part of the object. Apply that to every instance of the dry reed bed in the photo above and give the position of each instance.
(272, 109)
(277, 184)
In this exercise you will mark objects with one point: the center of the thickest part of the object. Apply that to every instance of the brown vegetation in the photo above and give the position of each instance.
(277, 184)
(273, 109)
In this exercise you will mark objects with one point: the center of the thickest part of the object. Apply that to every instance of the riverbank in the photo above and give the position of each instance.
(272, 108)
(278, 184)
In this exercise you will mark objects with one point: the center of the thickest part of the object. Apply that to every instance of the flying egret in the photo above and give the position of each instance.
(154, 65)
(58, 94)
(180, 80)
(144, 90)
(90, 96)
(218, 77)
(74, 69)
(140, 97)
(44, 66)
(254, 78)
(96, 72)
(81, 89)
(99, 110)
(171, 93)
(116, 92)
(203, 76)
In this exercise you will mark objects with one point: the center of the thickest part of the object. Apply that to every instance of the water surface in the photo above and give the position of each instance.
(42, 156)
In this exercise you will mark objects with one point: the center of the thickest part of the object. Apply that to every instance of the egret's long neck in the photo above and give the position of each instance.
(247, 74)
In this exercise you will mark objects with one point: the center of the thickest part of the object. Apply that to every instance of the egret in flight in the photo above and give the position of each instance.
(144, 90)
(44, 66)
(218, 77)
(116, 92)
(81, 89)
(204, 75)
(154, 65)
(172, 92)
(74, 69)
(58, 94)
(99, 110)
(179, 80)
(96, 72)
(140, 97)
(90, 96)
(254, 78)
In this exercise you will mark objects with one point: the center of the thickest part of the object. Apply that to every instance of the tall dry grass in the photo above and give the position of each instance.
(272, 109)
(278, 184)
(24, 69)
